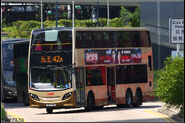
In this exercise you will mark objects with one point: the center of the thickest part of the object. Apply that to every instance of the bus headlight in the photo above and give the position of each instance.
(35, 97)
(7, 91)
(66, 96)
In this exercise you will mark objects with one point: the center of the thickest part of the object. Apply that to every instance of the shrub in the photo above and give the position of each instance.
(49, 23)
(170, 85)
(64, 22)
(22, 29)
(116, 22)
(3, 113)
(155, 79)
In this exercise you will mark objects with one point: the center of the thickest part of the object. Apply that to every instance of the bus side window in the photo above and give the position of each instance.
(107, 39)
(144, 37)
(95, 76)
(97, 39)
(77, 43)
(38, 46)
(150, 62)
(120, 39)
(89, 40)
(136, 39)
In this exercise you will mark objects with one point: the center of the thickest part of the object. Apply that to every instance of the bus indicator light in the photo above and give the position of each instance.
(50, 93)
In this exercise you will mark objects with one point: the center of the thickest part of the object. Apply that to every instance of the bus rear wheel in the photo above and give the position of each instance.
(49, 110)
(99, 107)
(138, 98)
(90, 102)
(129, 98)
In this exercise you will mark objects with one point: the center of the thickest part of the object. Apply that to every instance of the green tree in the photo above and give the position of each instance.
(130, 19)
(125, 16)
(136, 17)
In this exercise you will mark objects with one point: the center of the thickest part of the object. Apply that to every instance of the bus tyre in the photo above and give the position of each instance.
(138, 98)
(99, 107)
(129, 98)
(25, 99)
(49, 110)
(90, 102)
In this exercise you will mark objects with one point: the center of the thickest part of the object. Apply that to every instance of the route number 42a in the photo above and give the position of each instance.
(57, 59)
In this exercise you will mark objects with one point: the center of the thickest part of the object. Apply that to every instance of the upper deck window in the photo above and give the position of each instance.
(52, 41)
(112, 39)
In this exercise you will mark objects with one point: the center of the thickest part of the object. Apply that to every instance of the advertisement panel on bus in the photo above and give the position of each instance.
(113, 56)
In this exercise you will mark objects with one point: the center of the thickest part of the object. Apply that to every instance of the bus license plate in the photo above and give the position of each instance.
(50, 105)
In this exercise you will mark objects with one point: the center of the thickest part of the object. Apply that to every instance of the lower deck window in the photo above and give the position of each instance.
(127, 74)
(95, 76)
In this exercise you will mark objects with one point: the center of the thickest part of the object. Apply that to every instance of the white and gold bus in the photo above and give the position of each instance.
(89, 67)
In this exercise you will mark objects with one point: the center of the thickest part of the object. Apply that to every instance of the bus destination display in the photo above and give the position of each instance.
(51, 59)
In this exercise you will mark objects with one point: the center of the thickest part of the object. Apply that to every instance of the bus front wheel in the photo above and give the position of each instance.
(49, 110)
(90, 102)
(25, 99)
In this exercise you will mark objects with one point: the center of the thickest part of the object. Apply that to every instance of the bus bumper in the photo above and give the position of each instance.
(68, 103)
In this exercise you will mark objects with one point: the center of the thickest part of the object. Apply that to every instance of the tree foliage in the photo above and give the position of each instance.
(22, 29)
(130, 18)
(171, 82)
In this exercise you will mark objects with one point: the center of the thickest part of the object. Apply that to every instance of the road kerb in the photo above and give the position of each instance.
(163, 116)
(17, 117)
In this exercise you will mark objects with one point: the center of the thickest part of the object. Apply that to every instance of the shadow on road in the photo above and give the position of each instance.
(110, 108)
(137, 120)
(12, 105)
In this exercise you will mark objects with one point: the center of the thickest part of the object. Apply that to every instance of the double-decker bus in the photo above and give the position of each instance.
(89, 67)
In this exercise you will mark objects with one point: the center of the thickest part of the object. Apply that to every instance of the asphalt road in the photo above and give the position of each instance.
(145, 113)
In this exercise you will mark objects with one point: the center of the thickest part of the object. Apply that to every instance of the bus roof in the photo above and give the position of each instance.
(52, 28)
(14, 40)
(95, 29)
(111, 29)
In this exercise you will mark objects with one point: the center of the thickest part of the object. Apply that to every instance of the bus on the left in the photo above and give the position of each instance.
(8, 74)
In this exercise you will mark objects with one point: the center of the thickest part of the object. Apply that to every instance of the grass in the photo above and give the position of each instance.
(3, 113)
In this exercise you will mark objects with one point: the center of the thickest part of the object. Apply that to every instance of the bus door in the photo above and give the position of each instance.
(80, 87)
(111, 92)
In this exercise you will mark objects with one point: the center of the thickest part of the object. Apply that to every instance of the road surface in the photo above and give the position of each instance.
(145, 113)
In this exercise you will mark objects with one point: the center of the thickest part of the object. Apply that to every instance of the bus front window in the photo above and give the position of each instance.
(8, 76)
(45, 79)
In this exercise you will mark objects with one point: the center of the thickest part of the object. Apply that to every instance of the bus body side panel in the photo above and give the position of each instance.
(146, 88)
(100, 94)
(122, 88)
(121, 92)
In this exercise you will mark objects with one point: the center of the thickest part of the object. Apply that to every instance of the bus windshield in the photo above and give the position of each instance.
(51, 40)
(51, 60)
(8, 76)
(49, 79)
